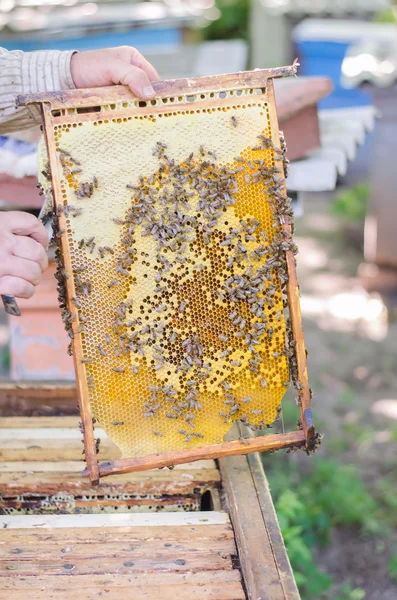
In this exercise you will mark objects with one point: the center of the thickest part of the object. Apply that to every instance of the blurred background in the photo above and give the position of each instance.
(337, 510)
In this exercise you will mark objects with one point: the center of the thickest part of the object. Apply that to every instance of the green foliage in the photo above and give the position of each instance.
(291, 515)
(386, 16)
(393, 567)
(233, 22)
(5, 359)
(346, 592)
(330, 495)
(351, 205)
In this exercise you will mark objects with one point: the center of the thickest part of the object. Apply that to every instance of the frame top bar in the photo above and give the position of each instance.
(171, 87)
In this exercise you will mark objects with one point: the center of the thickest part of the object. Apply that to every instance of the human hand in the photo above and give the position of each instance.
(125, 65)
(23, 256)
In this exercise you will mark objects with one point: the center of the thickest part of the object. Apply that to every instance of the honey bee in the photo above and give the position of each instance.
(244, 440)
(235, 363)
(234, 121)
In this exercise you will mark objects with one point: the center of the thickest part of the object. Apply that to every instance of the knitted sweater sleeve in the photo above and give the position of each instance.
(25, 73)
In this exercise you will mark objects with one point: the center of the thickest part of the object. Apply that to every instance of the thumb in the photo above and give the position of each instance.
(25, 224)
(134, 77)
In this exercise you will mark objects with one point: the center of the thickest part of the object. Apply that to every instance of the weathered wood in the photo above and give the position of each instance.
(304, 393)
(259, 568)
(120, 580)
(80, 369)
(380, 244)
(295, 94)
(118, 93)
(179, 519)
(64, 504)
(36, 423)
(153, 461)
(81, 531)
(163, 482)
(302, 132)
(130, 549)
(75, 566)
(276, 541)
(51, 449)
(75, 466)
(224, 591)
(60, 433)
(37, 398)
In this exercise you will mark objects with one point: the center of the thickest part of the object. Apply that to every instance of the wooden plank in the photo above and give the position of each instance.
(118, 93)
(75, 466)
(272, 527)
(35, 398)
(302, 134)
(23, 422)
(108, 564)
(64, 504)
(163, 482)
(152, 461)
(86, 534)
(131, 550)
(258, 566)
(224, 591)
(295, 94)
(70, 449)
(179, 519)
(59, 433)
(51, 449)
(120, 580)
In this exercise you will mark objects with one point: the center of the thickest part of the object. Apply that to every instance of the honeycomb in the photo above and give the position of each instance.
(174, 228)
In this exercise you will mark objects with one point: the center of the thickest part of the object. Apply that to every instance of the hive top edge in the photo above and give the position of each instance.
(243, 79)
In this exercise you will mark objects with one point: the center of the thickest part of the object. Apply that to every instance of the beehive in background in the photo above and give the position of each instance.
(175, 217)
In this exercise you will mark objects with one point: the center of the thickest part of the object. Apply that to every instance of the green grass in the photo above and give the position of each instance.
(351, 205)
(309, 506)
(393, 567)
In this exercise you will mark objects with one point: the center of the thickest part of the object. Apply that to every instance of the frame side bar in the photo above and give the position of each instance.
(84, 405)
(171, 87)
(295, 313)
(178, 457)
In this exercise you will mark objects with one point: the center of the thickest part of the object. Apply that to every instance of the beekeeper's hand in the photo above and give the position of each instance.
(123, 65)
(23, 256)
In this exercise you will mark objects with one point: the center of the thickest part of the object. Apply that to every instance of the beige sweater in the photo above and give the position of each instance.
(29, 72)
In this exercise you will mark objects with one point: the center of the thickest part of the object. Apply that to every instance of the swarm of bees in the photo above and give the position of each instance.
(158, 207)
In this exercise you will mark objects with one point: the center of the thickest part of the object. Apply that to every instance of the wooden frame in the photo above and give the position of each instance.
(87, 105)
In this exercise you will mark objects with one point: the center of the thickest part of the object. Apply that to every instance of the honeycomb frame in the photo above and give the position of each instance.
(76, 108)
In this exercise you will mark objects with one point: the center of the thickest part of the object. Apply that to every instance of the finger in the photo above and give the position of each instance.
(135, 78)
(21, 267)
(142, 63)
(21, 223)
(27, 247)
(16, 287)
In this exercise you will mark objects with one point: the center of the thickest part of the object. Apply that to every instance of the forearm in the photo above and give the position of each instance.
(29, 72)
